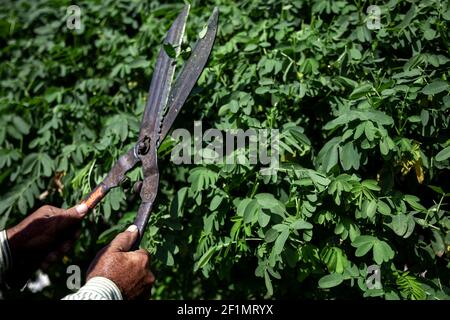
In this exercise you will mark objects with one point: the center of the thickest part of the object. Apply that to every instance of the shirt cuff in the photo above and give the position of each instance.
(97, 288)
(5, 255)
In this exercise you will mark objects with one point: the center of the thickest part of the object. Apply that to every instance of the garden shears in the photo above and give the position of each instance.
(164, 102)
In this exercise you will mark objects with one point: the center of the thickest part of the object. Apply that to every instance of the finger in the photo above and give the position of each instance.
(48, 211)
(68, 220)
(125, 240)
(142, 256)
(79, 211)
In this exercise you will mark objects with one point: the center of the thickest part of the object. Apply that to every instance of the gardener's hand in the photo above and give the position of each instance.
(129, 270)
(42, 238)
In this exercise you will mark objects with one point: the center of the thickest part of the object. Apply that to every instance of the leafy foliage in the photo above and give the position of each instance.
(364, 136)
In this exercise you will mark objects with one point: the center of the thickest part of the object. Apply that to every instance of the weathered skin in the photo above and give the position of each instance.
(129, 270)
(42, 238)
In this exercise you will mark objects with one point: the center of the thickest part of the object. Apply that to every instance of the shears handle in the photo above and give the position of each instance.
(141, 220)
(96, 195)
(114, 178)
(142, 217)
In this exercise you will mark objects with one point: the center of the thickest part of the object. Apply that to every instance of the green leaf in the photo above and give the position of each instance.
(330, 280)
(355, 54)
(429, 34)
(301, 224)
(413, 201)
(369, 130)
(318, 179)
(363, 244)
(424, 117)
(410, 287)
(263, 218)
(363, 239)
(250, 211)
(215, 202)
(268, 283)
(384, 147)
(250, 47)
(266, 200)
(361, 91)
(399, 224)
(446, 15)
(328, 155)
(281, 240)
(170, 50)
(349, 156)
(242, 206)
(382, 252)
(383, 208)
(407, 18)
(371, 208)
(280, 227)
(438, 244)
(203, 32)
(371, 185)
(21, 125)
(437, 189)
(271, 235)
(334, 258)
(403, 225)
(363, 249)
(177, 204)
(435, 87)
(140, 63)
(443, 155)
(206, 257)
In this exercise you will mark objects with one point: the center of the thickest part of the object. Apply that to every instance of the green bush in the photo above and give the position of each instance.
(364, 136)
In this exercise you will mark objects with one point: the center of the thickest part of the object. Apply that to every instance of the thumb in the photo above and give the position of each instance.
(78, 211)
(125, 240)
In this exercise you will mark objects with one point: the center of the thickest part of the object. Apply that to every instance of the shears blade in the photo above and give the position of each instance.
(162, 79)
(190, 73)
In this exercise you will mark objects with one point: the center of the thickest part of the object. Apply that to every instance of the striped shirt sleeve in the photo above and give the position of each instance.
(97, 288)
(5, 255)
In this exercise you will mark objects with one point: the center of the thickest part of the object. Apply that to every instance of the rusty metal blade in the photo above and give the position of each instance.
(162, 78)
(175, 100)
(190, 74)
(157, 100)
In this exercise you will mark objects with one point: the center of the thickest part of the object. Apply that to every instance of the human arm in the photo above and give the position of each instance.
(118, 273)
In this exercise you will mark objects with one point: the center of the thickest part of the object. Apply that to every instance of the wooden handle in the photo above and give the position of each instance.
(95, 196)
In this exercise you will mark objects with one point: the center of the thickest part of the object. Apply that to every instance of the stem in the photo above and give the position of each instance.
(255, 188)
(437, 209)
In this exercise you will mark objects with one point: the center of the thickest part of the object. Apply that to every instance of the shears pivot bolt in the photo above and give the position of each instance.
(143, 146)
